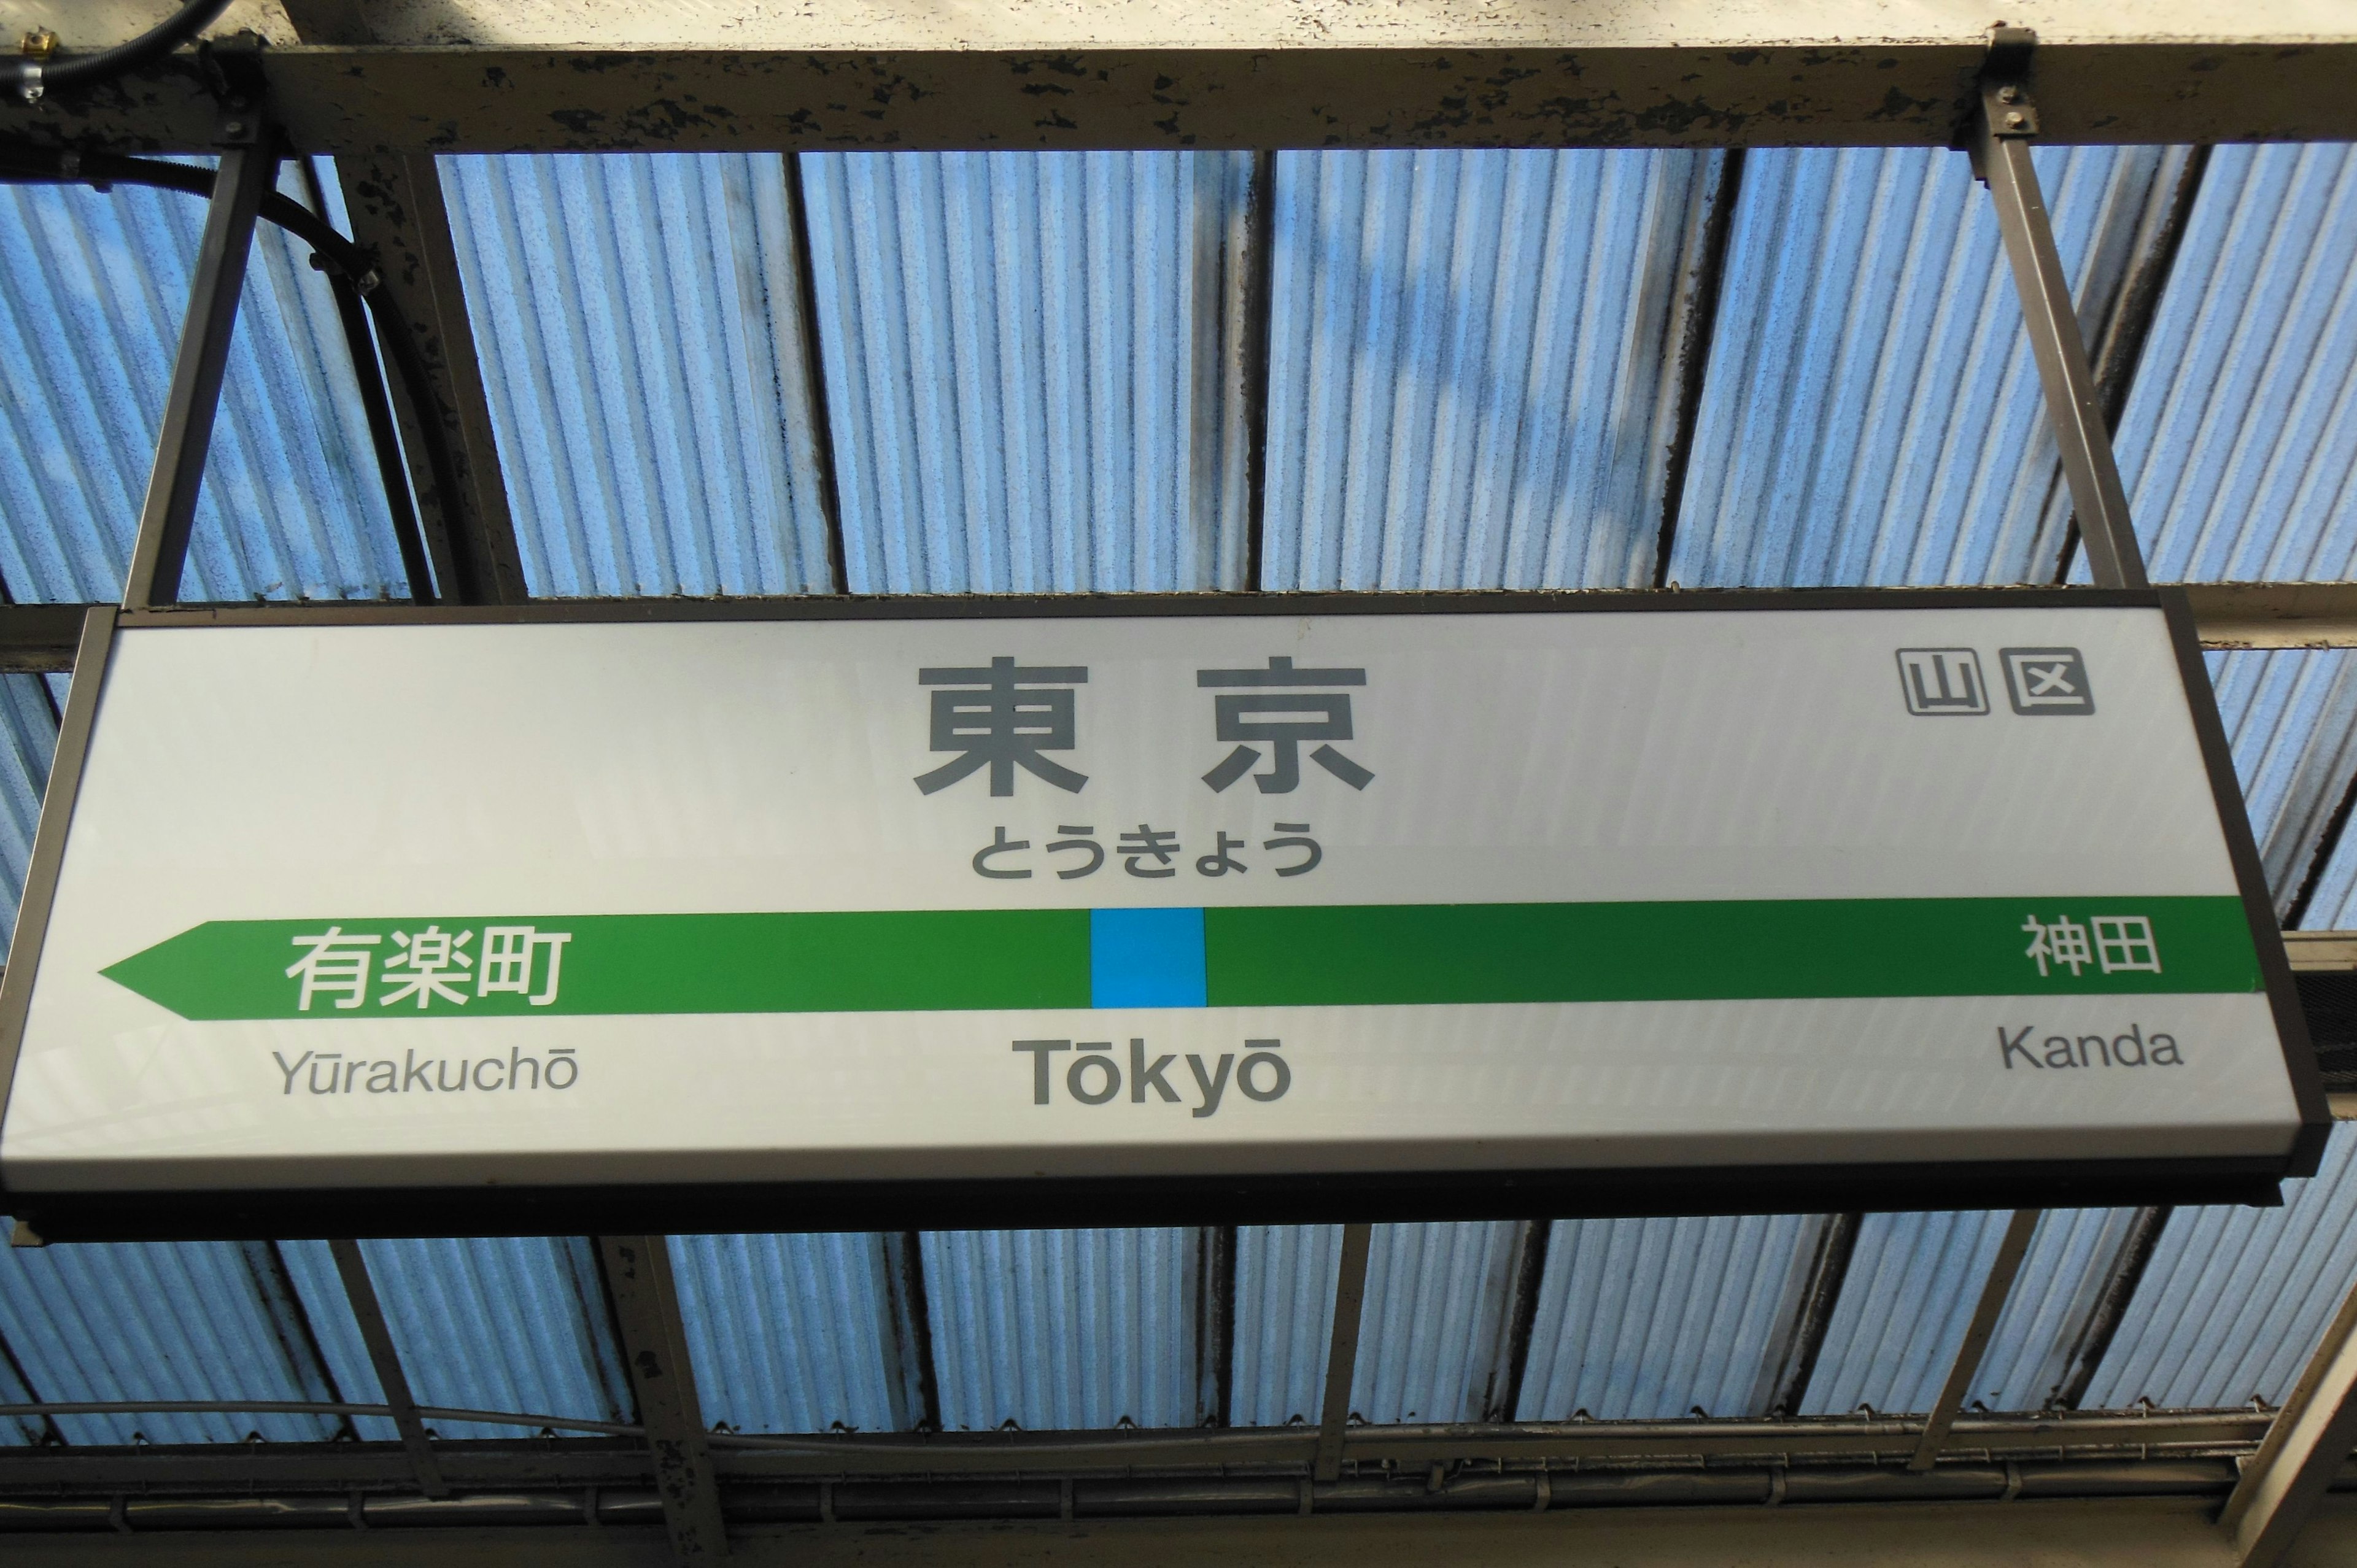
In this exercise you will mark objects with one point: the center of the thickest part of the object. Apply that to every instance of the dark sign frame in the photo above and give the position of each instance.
(658, 1209)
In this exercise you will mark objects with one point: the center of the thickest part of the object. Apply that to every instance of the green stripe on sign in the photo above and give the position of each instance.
(884, 962)
(1004, 959)
(1691, 951)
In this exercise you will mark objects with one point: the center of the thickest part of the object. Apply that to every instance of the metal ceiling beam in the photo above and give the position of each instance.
(2305, 1450)
(1995, 1290)
(2006, 120)
(1100, 1499)
(384, 1358)
(398, 215)
(2275, 615)
(654, 1345)
(2120, 1283)
(839, 74)
(249, 167)
(1342, 1350)
(477, 1465)
(1697, 324)
(1788, 1384)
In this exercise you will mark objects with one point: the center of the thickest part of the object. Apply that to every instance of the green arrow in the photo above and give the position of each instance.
(897, 961)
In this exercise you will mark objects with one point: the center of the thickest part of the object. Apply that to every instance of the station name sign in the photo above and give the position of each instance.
(1336, 906)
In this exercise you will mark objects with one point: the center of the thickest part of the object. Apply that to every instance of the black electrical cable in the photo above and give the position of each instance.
(38, 77)
(334, 254)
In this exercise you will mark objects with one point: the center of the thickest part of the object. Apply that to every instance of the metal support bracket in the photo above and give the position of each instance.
(2003, 121)
(377, 1335)
(249, 168)
(1342, 1352)
(1994, 1292)
(654, 1344)
(2311, 1437)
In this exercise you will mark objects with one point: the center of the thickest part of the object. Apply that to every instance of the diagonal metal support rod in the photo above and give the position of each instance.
(1786, 1383)
(2304, 1450)
(1342, 1350)
(377, 1335)
(654, 1344)
(1994, 1292)
(399, 214)
(249, 167)
(2003, 125)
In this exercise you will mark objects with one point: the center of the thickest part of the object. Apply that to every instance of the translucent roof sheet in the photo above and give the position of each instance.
(1025, 372)
(92, 291)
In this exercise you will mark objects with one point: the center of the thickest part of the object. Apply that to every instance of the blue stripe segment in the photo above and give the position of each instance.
(1146, 958)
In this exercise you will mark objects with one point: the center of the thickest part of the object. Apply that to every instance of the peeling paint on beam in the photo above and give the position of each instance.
(346, 100)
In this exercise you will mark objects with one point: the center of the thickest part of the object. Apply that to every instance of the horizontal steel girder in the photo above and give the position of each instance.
(1317, 75)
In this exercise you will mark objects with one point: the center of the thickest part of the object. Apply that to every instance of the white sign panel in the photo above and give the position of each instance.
(1149, 897)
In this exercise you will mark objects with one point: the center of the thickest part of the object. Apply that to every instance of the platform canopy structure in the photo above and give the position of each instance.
(454, 303)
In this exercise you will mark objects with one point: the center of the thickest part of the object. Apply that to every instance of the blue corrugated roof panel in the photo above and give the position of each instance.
(1913, 1281)
(2235, 1300)
(327, 1312)
(516, 1323)
(29, 738)
(2291, 718)
(1431, 1337)
(92, 290)
(2070, 1259)
(1650, 1319)
(1284, 1322)
(1472, 364)
(1063, 1329)
(790, 1333)
(185, 1321)
(639, 326)
(1871, 414)
(2238, 441)
(1022, 362)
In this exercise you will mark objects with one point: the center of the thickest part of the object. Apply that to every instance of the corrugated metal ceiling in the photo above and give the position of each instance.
(2238, 441)
(1870, 414)
(639, 322)
(1472, 365)
(1650, 1319)
(92, 291)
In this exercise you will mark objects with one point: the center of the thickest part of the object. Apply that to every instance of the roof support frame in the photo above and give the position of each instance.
(384, 1357)
(2303, 1451)
(2120, 1283)
(2004, 120)
(249, 168)
(1320, 73)
(654, 1345)
(1995, 1290)
(1342, 1351)
(1788, 1386)
(910, 1367)
(376, 407)
(399, 216)
(1696, 332)
(1503, 1395)
(814, 368)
